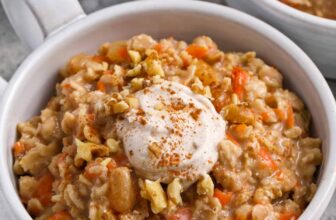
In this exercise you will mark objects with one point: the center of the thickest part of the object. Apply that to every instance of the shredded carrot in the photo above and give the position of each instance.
(219, 104)
(265, 116)
(221, 101)
(122, 52)
(158, 47)
(197, 51)
(239, 78)
(224, 197)
(267, 158)
(231, 138)
(99, 58)
(280, 114)
(44, 189)
(240, 128)
(101, 86)
(290, 117)
(289, 216)
(66, 86)
(63, 215)
(185, 62)
(19, 148)
(91, 175)
(111, 165)
(183, 213)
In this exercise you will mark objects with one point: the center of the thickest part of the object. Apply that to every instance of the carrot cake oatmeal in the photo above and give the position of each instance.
(321, 8)
(148, 129)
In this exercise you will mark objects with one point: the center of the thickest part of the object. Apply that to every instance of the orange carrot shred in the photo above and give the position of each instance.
(44, 189)
(101, 86)
(239, 78)
(158, 47)
(197, 51)
(267, 158)
(240, 128)
(224, 197)
(66, 86)
(290, 122)
(111, 165)
(122, 52)
(265, 116)
(62, 215)
(99, 58)
(19, 148)
(280, 114)
(231, 138)
(289, 216)
(88, 174)
(185, 62)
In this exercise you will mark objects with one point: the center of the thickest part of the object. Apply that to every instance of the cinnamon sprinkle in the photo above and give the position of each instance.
(195, 114)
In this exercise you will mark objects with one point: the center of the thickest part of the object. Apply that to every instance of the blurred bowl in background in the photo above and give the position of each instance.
(315, 35)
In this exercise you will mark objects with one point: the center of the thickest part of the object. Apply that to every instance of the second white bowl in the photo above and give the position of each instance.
(315, 35)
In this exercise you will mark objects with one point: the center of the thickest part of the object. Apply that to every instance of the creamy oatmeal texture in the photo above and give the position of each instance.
(162, 129)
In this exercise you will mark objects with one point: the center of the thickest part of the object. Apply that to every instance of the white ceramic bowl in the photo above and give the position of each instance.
(315, 35)
(34, 81)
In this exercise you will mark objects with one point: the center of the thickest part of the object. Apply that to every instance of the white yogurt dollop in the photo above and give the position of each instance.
(174, 133)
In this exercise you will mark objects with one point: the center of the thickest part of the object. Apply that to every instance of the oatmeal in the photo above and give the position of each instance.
(148, 129)
(321, 8)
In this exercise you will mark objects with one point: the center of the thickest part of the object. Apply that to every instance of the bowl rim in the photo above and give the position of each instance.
(287, 10)
(327, 185)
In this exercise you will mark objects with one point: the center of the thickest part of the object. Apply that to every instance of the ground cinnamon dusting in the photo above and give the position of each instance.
(195, 114)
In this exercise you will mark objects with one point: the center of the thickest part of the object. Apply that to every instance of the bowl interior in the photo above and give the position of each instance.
(34, 82)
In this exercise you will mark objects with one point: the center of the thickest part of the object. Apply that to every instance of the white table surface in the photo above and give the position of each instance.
(12, 52)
